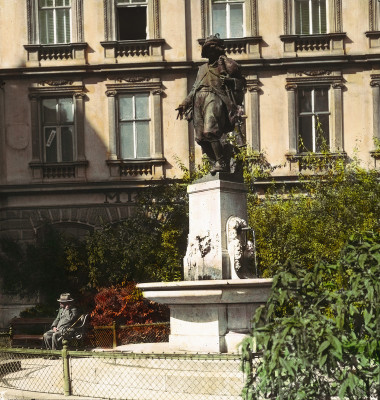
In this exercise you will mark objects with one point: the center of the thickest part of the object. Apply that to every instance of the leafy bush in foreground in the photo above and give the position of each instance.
(319, 332)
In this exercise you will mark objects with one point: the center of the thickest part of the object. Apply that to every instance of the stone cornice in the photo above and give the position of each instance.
(323, 62)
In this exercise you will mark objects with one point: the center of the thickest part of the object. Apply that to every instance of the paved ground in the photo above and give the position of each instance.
(124, 378)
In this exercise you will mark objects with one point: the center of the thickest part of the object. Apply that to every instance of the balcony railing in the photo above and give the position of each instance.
(141, 169)
(64, 170)
(305, 44)
(134, 49)
(245, 46)
(48, 52)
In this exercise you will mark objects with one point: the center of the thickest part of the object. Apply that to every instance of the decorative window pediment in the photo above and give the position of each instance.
(55, 31)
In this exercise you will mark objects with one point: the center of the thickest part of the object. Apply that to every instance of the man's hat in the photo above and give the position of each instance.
(65, 298)
(213, 41)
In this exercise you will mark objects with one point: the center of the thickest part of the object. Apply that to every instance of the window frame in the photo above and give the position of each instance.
(55, 89)
(54, 9)
(38, 52)
(136, 168)
(333, 17)
(144, 3)
(250, 18)
(134, 121)
(333, 41)
(310, 18)
(59, 126)
(333, 80)
(134, 51)
(313, 114)
(228, 20)
(111, 26)
(247, 47)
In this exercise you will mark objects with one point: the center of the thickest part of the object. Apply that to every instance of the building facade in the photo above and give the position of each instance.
(88, 91)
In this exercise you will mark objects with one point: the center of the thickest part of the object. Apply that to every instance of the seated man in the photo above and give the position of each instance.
(67, 315)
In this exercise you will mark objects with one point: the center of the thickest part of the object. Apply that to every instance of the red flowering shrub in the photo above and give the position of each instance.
(126, 306)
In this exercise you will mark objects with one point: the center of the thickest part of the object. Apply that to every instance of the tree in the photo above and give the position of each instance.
(313, 222)
(319, 331)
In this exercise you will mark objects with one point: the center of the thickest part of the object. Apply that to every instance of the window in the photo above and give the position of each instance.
(131, 16)
(135, 128)
(134, 121)
(315, 112)
(58, 129)
(313, 119)
(310, 17)
(54, 21)
(57, 121)
(313, 26)
(237, 22)
(227, 18)
(55, 31)
(132, 30)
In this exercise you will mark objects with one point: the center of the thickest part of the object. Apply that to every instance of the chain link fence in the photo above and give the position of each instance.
(116, 335)
(113, 375)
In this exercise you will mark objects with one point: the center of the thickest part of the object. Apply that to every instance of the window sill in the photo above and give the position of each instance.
(38, 53)
(64, 170)
(373, 40)
(134, 50)
(300, 45)
(313, 161)
(137, 169)
(245, 47)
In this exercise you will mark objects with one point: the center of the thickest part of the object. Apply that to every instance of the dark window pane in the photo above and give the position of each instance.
(132, 23)
(49, 111)
(51, 144)
(236, 20)
(319, 16)
(302, 17)
(46, 25)
(321, 99)
(304, 100)
(322, 132)
(219, 20)
(67, 143)
(63, 25)
(306, 133)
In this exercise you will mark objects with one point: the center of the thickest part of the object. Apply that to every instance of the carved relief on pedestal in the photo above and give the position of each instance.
(240, 250)
(201, 255)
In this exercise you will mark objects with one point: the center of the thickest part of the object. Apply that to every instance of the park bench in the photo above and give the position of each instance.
(25, 331)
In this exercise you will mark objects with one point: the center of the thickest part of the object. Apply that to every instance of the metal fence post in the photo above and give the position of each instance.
(66, 370)
(114, 344)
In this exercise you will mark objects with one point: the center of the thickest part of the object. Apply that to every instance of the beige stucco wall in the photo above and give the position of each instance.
(180, 27)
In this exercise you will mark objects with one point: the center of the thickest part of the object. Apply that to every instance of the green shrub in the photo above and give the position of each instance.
(319, 332)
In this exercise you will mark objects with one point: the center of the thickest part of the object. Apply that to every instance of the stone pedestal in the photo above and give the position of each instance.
(212, 201)
(209, 316)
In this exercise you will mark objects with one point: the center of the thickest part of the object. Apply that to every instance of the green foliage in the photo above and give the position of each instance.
(313, 222)
(148, 246)
(38, 269)
(319, 332)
